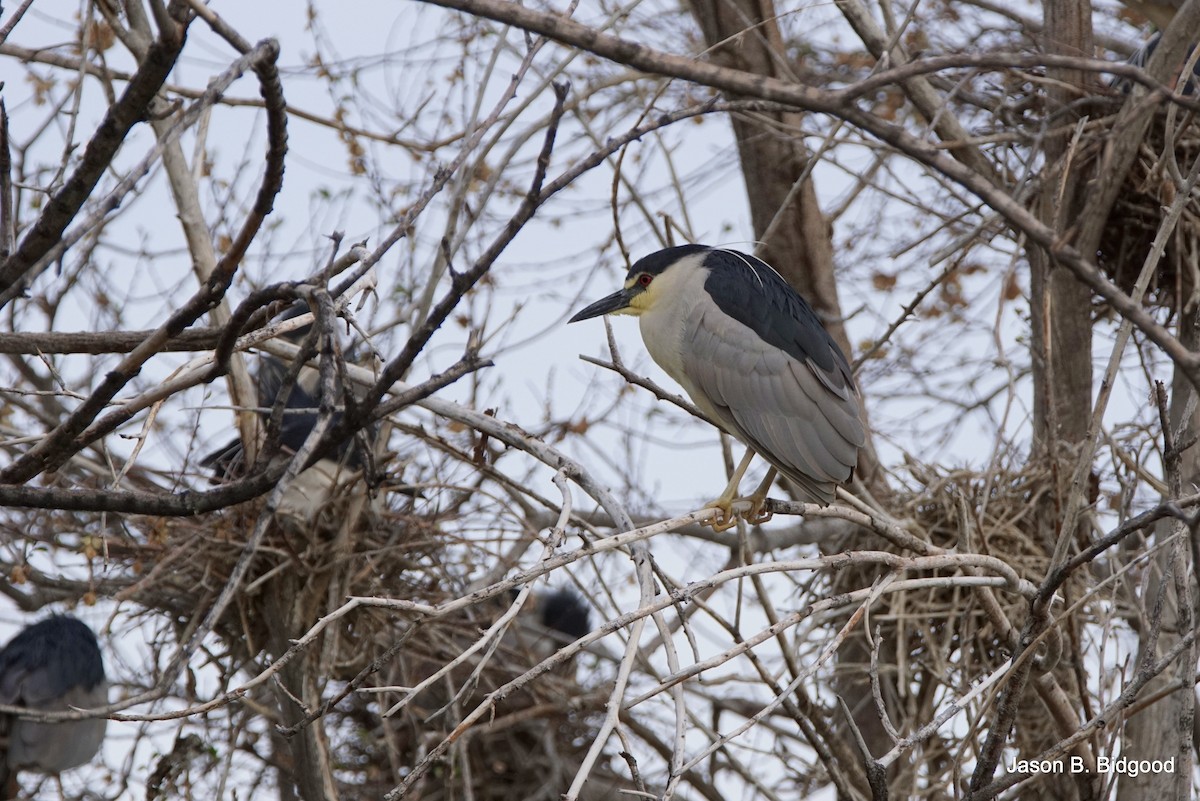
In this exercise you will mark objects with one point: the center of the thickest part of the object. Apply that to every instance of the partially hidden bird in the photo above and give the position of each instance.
(313, 489)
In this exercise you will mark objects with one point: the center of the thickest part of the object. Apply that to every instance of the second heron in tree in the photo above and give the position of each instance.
(754, 358)
(54, 665)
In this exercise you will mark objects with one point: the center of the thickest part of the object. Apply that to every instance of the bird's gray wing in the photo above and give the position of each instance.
(55, 747)
(803, 419)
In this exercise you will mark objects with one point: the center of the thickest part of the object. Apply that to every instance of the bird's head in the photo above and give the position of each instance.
(647, 282)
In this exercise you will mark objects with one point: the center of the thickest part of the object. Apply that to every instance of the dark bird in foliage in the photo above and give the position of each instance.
(53, 665)
(300, 403)
(547, 622)
(1141, 57)
(564, 611)
(754, 358)
(300, 408)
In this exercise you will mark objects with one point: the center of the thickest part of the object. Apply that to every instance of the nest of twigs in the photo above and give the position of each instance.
(968, 632)
(953, 633)
(380, 551)
(1148, 190)
(528, 746)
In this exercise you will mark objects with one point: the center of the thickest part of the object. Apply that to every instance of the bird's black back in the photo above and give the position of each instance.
(300, 414)
(563, 610)
(769, 306)
(1141, 57)
(48, 659)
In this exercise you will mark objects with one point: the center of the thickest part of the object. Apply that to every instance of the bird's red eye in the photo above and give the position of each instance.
(644, 279)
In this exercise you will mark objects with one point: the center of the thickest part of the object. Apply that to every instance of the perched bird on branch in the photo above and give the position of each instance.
(300, 403)
(754, 358)
(53, 665)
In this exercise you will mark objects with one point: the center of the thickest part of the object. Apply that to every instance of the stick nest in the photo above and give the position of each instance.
(528, 746)
(1149, 189)
(962, 633)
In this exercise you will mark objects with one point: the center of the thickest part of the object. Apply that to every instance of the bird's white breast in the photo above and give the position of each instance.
(675, 291)
(664, 326)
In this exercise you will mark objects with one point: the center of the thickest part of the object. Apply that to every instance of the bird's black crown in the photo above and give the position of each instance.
(655, 263)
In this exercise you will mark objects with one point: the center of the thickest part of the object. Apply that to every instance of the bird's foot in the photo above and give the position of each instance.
(756, 515)
(725, 518)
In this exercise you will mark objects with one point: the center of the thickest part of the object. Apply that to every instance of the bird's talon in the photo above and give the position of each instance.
(725, 517)
(722, 523)
(758, 515)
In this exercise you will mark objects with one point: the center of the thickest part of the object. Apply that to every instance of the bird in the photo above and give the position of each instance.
(313, 488)
(1141, 57)
(564, 611)
(53, 665)
(300, 407)
(754, 357)
(554, 618)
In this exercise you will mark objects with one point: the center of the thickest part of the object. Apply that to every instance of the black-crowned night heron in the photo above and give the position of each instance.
(754, 358)
(52, 666)
(1141, 57)
(550, 620)
(564, 611)
(314, 488)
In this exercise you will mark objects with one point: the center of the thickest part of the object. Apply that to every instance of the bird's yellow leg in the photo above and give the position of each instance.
(724, 502)
(756, 516)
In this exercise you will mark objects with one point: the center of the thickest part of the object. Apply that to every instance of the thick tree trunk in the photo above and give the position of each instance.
(1061, 306)
(1165, 729)
(1062, 363)
(310, 776)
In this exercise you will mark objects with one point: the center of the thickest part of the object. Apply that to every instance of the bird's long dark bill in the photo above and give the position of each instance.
(614, 302)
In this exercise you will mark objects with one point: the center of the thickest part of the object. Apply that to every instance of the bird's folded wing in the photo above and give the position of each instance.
(805, 423)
